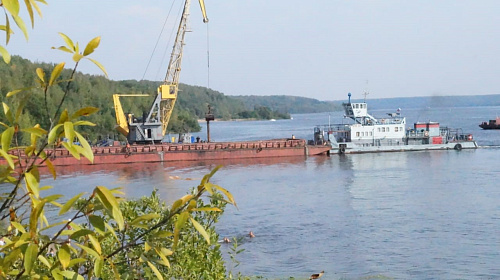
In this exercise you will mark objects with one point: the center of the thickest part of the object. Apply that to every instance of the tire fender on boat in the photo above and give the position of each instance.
(458, 147)
(342, 149)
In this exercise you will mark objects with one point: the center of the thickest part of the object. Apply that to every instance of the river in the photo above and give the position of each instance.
(413, 215)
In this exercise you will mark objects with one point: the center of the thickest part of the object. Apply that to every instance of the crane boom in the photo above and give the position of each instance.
(167, 92)
(154, 127)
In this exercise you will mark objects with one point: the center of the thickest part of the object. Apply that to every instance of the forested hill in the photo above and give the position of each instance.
(91, 90)
(290, 104)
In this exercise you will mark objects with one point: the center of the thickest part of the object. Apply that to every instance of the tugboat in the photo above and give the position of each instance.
(492, 124)
(369, 134)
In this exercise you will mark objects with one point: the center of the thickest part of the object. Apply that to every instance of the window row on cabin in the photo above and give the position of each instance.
(379, 129)
(359, 105)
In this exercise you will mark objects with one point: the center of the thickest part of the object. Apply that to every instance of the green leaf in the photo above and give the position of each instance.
(8, 113)
(5, 55)
(69, 43)
(98, 223)
(36, 6)
(8, 158)
(69, 131)
(207, 209)
(179, 224)
(91, 46)
(95, 244)
(89, 250)
(72, 149)
(44, 260)
(54, 133)
(56, 72)
(69, 204)
(100, 66)
(77, 57)
(18, 226)
(64, 117)
(20, 23)
(200, 229)
(145, 217)
(30, 257)
(64, 255)
(155, 270)
(63, 48)
(12, 6)
(76, 261)
(32, 184)
(14, 92)
(7, 138)
(86, 150)
(35, 214)
(51, 198)
(98, 265)
(8, 30)
(87, 123)
(227, 193)
(56, 273)
(207, 177)
(38, 131)
(30, 12)
(180, 202)
(51, 168)
(71, 275)
(110, 203)
(87, 111)
(80, 233)
(110, 228)
(41, 74)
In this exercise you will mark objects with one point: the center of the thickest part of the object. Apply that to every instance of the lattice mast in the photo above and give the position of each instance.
(167, 92)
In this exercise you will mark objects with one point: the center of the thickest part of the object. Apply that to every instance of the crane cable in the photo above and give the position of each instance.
(208, 59)
(158, 40)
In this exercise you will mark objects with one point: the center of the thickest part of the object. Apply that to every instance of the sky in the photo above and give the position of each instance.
(321, 49)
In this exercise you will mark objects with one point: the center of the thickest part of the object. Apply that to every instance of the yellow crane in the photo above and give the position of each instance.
(153, 127)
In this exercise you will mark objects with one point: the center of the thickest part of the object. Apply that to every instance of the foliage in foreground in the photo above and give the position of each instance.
(98, 234)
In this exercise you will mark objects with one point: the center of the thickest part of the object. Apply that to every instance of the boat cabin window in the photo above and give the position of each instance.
(383, 129)
(357, 134)
(387, 129)
(371, 133)
(396, 129)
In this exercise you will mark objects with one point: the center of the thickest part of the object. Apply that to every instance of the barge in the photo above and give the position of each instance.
(202, 152)
(368, 134)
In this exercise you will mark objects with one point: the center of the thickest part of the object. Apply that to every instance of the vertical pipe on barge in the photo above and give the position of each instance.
(209, 116)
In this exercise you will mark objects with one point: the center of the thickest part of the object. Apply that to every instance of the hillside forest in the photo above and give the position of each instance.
(96, 91)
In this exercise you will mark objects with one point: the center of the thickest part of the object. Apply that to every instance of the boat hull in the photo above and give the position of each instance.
(489, 126)
(352, 148)
(191, 152)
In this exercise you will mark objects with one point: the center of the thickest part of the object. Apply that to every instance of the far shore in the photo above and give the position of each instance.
(238, 120)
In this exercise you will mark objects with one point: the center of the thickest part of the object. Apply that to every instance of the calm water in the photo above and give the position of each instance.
(416, 215)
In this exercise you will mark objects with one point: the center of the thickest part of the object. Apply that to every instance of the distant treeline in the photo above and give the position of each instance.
(434, 101)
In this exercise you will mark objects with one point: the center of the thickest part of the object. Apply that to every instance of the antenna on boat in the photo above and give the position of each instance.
(365, 94)
(366, 91)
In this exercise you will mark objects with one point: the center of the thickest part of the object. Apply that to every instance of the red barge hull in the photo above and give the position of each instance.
(168, 152)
